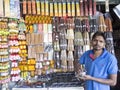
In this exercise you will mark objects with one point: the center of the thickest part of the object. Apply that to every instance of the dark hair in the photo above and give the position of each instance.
(99, 33)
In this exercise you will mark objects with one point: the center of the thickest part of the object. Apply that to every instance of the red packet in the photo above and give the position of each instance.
(40, 28)
(24, 7)
(29, 7)
(81, 8)
(33, 7)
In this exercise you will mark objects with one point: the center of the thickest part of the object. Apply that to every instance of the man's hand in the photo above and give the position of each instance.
(85, 77)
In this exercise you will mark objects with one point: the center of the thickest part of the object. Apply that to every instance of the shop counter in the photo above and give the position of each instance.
(67, 88)
(60, 88)
(30, 89)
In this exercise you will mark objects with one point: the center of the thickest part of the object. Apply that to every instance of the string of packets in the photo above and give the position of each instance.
(64, 41)
(4, 56)
(59, 7)
(105, 25)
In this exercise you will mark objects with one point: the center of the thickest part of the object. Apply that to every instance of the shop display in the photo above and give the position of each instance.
(14, 49)
(4, 55)
(66, 32)
(41, 41)
(22, 64)
(10, 50)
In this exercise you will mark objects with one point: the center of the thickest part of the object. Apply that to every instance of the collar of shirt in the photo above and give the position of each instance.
(91, 55)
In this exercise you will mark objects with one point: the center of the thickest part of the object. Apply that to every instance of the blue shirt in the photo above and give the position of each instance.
(101, 67)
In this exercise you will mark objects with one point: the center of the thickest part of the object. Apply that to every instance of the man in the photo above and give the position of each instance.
(101, 66)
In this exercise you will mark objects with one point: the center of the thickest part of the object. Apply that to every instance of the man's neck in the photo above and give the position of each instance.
(97, 53)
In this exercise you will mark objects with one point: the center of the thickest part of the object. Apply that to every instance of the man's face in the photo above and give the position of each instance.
(98, 43)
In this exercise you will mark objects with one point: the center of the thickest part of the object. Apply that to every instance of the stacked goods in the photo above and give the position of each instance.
(39, 41)
(31, 67)
(4, 55)
(9, 50)
(14, 48)
(23, 49)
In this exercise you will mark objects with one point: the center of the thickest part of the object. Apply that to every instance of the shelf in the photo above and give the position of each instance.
(110, 1)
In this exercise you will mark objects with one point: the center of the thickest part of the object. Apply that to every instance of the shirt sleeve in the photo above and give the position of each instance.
(82, 59)
(113, 67)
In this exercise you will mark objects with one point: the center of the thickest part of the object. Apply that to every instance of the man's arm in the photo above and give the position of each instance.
(112, 80)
